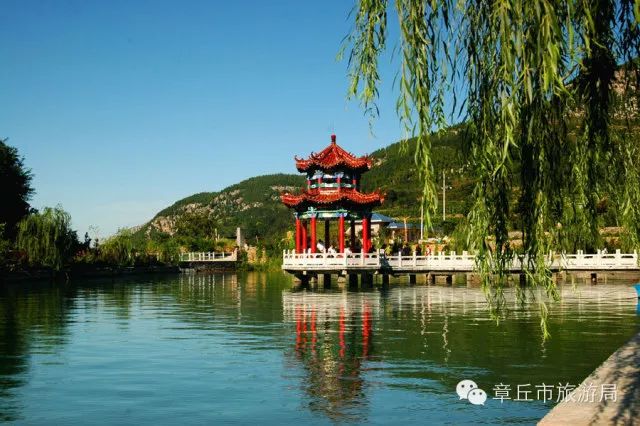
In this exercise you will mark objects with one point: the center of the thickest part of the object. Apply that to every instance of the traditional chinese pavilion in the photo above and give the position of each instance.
(332, 193)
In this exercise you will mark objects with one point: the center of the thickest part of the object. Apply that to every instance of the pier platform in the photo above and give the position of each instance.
(443, 263)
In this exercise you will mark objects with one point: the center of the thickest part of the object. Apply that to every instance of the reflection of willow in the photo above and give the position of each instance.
(28, 315)
(333, 338)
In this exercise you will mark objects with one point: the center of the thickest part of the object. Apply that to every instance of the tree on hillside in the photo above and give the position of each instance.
(196, 230)
(15, 188)
(196, 224)
(518, 70)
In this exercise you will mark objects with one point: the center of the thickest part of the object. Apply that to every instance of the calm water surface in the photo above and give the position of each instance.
(247, 348)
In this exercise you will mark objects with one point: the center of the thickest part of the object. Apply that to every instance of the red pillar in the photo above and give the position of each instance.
(313, 234)
(365, 236)
(298, 235)
(341, 233)
(304, 237)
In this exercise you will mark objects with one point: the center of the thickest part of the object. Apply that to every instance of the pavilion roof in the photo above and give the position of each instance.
(332, 157)
(317, 198)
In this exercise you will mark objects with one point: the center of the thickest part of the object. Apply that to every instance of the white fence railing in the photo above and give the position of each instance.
(450, 262)
(209, 256)
(440, 262)
(331, 260)
(599, 261)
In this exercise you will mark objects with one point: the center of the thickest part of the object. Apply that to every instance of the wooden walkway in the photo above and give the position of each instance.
(441, 263)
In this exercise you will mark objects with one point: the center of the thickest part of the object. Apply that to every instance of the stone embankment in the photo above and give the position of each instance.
(622, 370)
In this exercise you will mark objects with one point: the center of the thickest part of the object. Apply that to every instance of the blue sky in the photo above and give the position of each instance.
(121, 108)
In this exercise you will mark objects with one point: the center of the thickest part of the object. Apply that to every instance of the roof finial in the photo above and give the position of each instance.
(333, 139)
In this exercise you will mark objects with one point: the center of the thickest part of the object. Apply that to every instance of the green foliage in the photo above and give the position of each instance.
(261, 188)
(200, 198)
(525, 67)
(167, 251)
(208, 221)
(396, 174)
(46, 238)
(5, 246)
(254, 204)
(15, 188)
(128, 249)
(196, 224)
(252, 190)
(119, 249)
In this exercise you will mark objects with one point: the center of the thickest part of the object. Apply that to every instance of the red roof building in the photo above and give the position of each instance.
(332, 193)
(333, 158)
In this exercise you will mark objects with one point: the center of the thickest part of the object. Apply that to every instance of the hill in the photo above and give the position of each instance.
(396, 174)
(254, 203)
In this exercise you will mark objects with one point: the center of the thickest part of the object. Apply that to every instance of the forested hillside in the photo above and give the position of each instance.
(254, 205)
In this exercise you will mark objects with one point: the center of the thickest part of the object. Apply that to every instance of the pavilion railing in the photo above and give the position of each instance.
(337, 260)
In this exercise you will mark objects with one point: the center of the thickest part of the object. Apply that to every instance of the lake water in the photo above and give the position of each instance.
(247, 348)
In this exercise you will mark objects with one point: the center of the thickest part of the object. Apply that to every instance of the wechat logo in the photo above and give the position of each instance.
(468, 389)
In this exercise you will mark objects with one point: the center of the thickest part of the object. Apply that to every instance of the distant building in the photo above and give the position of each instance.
(395, 226)
(400, 229)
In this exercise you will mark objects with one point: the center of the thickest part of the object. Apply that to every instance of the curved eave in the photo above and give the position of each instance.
(304, 166)
(305, 199)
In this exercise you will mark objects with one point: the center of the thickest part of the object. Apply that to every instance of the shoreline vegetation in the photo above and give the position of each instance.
(25, 273)
(34, 241)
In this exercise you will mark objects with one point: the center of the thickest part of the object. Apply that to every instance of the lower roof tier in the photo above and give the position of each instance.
(333, 199)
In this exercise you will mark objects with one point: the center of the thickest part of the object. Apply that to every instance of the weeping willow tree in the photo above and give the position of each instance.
(119, 249)
(47, 239)
(518, 71)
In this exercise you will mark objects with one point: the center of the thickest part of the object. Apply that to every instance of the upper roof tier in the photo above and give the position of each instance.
(333, 157)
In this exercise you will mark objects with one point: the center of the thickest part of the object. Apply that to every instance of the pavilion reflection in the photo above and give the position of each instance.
(334, 338)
